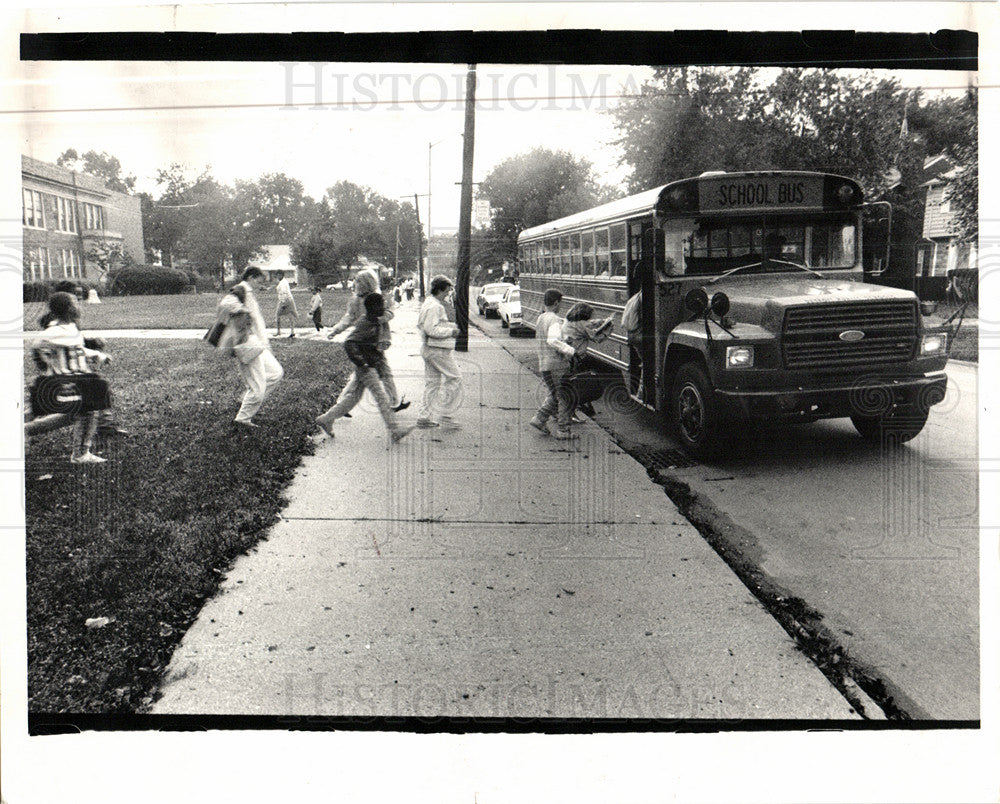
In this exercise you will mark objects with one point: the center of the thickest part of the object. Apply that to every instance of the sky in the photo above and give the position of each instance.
(321, 123)
(373, 124)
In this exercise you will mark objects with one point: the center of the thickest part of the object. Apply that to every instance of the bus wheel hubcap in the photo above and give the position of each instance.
(691, 412)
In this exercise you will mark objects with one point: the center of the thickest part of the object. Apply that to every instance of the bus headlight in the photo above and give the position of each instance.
(739, 357)
(934, 344)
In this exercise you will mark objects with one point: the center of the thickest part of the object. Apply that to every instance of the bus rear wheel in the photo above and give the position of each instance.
(694, 412)
(898, 425)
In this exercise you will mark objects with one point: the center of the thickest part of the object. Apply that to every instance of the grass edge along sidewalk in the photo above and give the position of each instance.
(145, 539)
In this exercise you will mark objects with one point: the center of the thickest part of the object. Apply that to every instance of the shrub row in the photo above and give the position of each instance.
(39, 291)
(147, 280)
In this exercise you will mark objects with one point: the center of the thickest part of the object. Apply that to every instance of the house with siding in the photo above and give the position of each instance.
(939, 250)
(66, 215)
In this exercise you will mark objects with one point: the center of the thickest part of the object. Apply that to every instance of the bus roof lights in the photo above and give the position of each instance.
(681, 199)
(720, 304)
(845, 194)
(696, 300)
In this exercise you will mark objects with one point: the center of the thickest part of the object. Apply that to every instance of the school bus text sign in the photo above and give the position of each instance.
(748, 193)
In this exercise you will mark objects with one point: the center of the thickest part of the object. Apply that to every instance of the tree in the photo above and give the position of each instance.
(533, 188)
(963, 191)
(102, 165)
(275, 205)
(165, 220)
(686, 121)
(315, 248)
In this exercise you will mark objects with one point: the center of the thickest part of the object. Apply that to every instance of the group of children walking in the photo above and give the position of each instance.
(561, 345)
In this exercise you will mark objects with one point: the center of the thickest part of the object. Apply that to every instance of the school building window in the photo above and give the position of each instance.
(70, 263)
(66, 214)
(32, 213)
(93, 216)
(38, 265)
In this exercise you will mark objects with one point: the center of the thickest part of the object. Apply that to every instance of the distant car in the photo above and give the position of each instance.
(509, 310)
(490, 296)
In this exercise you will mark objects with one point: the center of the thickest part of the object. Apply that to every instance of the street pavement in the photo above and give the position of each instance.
(486, 572)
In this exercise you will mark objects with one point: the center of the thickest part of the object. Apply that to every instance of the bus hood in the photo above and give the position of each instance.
(763, 301)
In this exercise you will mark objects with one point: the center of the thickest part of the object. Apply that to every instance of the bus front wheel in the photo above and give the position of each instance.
(695, 413)
(896, 426)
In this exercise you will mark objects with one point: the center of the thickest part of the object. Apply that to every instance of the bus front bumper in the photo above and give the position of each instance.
(866, 397)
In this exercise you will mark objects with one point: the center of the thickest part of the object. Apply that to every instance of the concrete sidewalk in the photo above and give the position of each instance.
(488, 572)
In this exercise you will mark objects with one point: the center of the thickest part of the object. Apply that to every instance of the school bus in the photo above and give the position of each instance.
(753, 306)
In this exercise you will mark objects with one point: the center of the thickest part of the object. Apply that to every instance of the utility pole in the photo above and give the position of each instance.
(420, 247)
(395, 270)
(465, 216)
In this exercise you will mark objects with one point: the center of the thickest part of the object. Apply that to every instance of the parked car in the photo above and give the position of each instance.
(490, 296)
(509, 309)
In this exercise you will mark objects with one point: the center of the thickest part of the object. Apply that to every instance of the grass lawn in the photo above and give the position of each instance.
(966, 345)
(184, 311)
(145, 538)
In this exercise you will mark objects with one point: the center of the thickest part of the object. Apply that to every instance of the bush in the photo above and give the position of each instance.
(36, 291)
(204, 284)
(147, 280)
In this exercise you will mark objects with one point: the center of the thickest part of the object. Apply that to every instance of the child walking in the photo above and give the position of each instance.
(579, 331)
(316, 308)
(63, 342)
(370, 367)
(554, 355)
(365, 283)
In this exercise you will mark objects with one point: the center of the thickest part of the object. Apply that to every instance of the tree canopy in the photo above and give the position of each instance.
(532, 188)
(689, 120)
(354, 221)
(102, 165)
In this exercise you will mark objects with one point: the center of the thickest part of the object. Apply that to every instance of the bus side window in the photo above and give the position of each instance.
(603, 256)
(588, 253)
(618, 250)
(577, 254)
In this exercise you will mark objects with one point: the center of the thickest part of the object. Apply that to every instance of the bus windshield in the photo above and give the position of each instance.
(714, 245)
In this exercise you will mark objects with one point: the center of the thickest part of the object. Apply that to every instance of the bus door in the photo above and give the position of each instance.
(647, 239)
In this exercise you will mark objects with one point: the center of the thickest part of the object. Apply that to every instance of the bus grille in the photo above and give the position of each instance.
(812, 339)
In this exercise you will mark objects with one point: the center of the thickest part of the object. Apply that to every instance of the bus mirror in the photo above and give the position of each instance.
(696, 301)
(720, 304)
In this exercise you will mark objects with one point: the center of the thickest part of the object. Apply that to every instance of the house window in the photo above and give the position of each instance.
(32, 213)
(93, 216)
(66, 214)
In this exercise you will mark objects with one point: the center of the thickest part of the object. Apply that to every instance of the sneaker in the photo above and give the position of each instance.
(587, 409)
(574, 419)
(402, 432)
(426, 424)
(324, 426)
(249, 425)
(539, 425)
(292, 335)
(403, 404)
(87, 457)
(111, 431)
(565, 435)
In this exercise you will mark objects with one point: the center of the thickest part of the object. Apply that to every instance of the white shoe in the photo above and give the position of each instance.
(87, 457)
